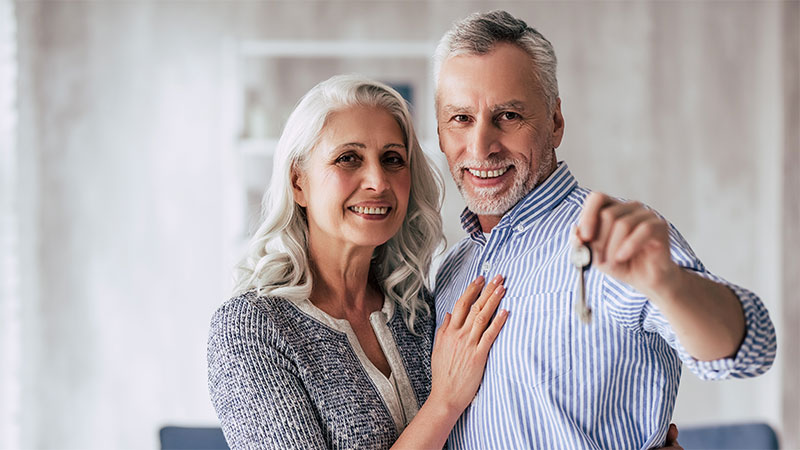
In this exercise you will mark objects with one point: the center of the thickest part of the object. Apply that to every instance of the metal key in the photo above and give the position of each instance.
(581, 258)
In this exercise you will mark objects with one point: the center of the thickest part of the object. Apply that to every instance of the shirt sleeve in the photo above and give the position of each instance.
(255, 388)
(757, 351)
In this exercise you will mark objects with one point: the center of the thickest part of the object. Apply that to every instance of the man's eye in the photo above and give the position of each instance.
(509, 115)
(461, 118)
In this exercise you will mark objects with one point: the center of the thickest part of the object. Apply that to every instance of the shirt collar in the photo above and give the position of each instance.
(538, 202)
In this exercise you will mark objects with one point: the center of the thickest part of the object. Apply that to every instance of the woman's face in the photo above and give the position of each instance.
(356, 181)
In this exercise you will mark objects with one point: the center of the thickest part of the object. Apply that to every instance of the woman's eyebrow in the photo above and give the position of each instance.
(350, 144)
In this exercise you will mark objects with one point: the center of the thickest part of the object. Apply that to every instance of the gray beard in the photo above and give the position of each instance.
(487, 202)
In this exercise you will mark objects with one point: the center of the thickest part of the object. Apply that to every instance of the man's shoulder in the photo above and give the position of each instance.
(577, 196)
(455, 253)
(452, 262)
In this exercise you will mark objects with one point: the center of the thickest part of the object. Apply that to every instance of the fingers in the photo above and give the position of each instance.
(481, 318)
(672, 434)
(619, 221)
(464, 303)
(672, 438)
(588, 223)
(487, 293)
(616, 231)
(445, 322)
(641, 236)
(489, 336)
(471, 317)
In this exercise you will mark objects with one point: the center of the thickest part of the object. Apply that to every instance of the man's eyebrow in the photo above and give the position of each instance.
(517, 105)
(455, 109)
(512, 104)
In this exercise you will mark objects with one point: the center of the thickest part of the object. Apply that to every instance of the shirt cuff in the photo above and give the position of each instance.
(756, 353)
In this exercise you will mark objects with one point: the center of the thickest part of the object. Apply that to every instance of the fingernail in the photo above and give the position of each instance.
(480, 279)
(581, 235)
(497, 279)
(499, 289)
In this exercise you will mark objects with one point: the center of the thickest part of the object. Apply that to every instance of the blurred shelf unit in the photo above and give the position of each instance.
(274, 74)
(263, 147)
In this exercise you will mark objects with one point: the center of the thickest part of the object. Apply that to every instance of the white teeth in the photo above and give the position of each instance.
(369, 210)
(488, 173)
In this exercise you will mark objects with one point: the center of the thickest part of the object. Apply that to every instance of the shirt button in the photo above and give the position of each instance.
(486, 266)
(519, 228)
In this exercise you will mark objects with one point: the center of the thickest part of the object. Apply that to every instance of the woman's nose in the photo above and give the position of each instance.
(375, 178)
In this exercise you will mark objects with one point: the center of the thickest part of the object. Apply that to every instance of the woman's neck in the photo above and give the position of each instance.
(341, 280)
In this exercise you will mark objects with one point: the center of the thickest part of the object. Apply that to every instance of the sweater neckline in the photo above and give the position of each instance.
(396, 391)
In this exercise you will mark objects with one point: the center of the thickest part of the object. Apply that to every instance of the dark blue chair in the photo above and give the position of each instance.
(750, 436)
(192, 438)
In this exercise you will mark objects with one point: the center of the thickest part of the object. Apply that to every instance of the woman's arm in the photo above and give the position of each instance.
(260, 401)
(459, 358)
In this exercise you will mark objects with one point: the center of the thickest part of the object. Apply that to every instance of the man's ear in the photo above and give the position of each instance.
(298, 186)
(558, 124)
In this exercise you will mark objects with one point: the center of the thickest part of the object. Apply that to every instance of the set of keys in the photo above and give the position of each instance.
(581, 257)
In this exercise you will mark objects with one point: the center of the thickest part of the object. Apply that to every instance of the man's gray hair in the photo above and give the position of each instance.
(479, 33)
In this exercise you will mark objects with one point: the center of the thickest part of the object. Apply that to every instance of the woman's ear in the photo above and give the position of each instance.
(298, 187)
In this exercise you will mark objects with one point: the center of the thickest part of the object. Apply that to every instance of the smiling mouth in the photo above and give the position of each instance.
(381, 210)
(488, 173)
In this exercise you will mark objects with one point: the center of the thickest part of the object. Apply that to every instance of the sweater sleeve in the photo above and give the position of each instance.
(255, 388)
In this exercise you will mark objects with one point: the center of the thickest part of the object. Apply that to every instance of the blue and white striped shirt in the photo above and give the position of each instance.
(552, 381)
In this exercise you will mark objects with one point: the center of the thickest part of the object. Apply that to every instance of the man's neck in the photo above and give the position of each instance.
(489, 222)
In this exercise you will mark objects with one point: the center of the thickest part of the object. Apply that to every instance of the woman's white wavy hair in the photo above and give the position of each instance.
(276, 263)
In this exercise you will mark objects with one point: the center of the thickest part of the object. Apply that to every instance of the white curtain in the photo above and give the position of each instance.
(9, 235)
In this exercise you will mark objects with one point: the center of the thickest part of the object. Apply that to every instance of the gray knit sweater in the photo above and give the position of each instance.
(287, 375)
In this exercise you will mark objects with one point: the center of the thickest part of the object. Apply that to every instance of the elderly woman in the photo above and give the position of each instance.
(328, 342)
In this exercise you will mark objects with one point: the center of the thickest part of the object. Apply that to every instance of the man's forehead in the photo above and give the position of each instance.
(463, 84)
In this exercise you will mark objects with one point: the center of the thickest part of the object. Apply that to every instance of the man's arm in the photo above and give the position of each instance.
(631, 243)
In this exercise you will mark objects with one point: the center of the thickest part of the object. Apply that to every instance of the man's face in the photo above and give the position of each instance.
(495, 128)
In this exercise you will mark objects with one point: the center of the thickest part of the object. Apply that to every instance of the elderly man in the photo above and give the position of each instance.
(553, 381)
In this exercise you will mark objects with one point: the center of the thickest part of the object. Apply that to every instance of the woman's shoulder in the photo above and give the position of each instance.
(249, 314)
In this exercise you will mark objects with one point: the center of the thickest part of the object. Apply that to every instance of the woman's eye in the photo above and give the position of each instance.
(347, 158)
(394, 161)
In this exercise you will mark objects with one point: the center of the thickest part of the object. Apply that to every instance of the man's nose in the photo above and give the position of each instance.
(483, 140)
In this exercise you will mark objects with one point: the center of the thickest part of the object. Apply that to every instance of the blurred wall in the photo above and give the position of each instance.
(120, 125)
(133, 203)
